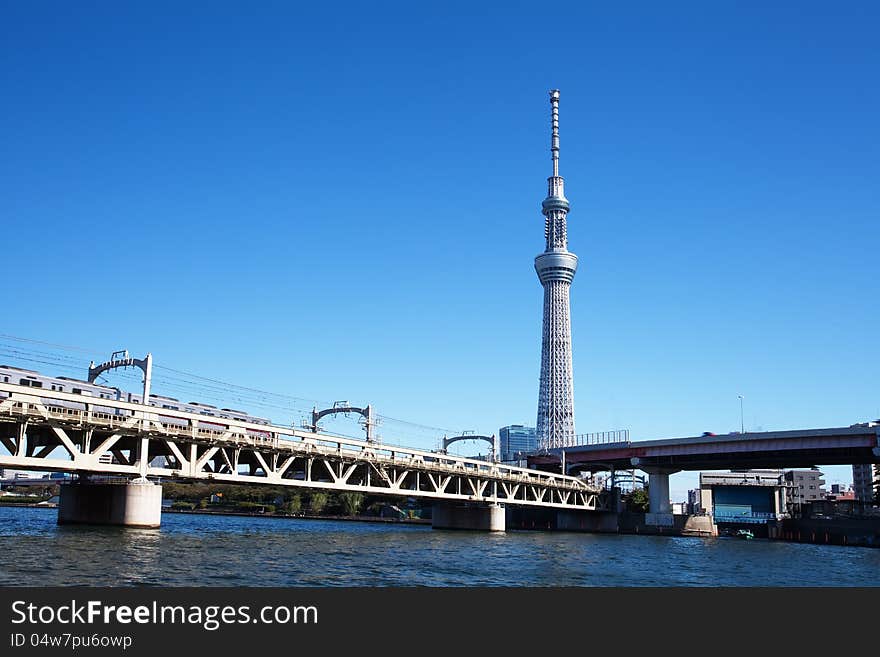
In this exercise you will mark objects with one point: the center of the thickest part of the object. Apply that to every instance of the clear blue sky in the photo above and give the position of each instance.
(343, 202)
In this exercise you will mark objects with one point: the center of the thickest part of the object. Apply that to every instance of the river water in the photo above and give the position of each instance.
(201, 550)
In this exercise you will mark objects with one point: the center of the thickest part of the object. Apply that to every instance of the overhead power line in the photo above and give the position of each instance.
(180, 382)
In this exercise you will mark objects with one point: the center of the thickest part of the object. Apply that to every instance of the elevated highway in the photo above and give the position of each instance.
(768, 449)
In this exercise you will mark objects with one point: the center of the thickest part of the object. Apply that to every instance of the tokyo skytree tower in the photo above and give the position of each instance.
(556, 268)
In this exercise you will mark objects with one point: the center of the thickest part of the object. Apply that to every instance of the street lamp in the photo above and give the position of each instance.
(742, 426)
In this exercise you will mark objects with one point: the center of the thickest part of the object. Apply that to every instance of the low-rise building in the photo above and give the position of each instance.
(804, 486)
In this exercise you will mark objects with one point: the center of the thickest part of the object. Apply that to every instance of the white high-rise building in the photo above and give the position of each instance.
(556, 268)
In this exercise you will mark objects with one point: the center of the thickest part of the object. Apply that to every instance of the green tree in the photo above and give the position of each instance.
(351, 503)
(293, 504)
(317, 502)
(637, 500)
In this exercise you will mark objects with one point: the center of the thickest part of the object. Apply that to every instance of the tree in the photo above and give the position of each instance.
(351, 503)
(294, 504)
(317, 502)
(637, 500)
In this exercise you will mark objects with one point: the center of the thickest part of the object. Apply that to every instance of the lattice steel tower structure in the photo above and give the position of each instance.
(556, 268)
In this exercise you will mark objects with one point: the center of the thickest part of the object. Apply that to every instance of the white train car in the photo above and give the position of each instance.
(33, 379)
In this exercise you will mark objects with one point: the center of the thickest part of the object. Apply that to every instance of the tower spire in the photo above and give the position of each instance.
(554, 140)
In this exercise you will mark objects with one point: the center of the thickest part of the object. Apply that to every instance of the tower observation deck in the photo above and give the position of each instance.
(556, 267)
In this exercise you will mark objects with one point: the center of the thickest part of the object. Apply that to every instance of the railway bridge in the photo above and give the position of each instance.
(138, 444)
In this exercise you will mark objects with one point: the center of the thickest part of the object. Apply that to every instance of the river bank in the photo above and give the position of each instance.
(299, 516)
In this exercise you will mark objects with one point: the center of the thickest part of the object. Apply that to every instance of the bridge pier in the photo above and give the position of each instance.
(484, 517)
(587, 521)
(659, 508)
(134, 504)
(658, 491)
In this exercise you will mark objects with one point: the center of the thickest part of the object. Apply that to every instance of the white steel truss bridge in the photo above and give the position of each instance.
(46, 430)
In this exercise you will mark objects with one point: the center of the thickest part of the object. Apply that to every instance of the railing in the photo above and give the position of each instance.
(602, 437)
(751, 517)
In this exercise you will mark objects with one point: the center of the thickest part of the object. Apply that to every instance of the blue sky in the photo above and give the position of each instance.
(343, 202)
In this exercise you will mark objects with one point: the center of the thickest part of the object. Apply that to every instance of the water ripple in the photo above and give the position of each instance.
(199, 550)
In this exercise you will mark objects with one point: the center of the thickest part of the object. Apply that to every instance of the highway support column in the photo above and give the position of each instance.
(659, 508)
(136, 503)
(658, 491)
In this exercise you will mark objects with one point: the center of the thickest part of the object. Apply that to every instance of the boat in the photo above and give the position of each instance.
(745, 534)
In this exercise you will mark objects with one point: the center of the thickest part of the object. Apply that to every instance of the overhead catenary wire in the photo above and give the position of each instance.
(181, 382)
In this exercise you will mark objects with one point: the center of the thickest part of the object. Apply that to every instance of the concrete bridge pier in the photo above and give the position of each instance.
(586, 521)
(137, 503)
(456, 515)
(659, 508)
(658, 491)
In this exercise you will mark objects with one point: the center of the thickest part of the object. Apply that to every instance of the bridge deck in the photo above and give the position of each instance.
(769, 449)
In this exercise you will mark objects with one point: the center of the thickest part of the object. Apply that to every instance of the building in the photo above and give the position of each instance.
(694, 507)
(804, 486)
(8, 473)
(866, 481)
(752, 497)
(516, 439)
(556, 267)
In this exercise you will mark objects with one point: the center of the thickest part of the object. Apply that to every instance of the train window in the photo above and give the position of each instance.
(24, 382)
(77, 391)
(5, 379)
(36, 384)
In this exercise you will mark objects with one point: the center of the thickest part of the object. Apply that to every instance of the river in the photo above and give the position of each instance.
(202, 550)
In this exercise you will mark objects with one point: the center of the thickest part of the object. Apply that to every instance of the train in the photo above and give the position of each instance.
(33, 379)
